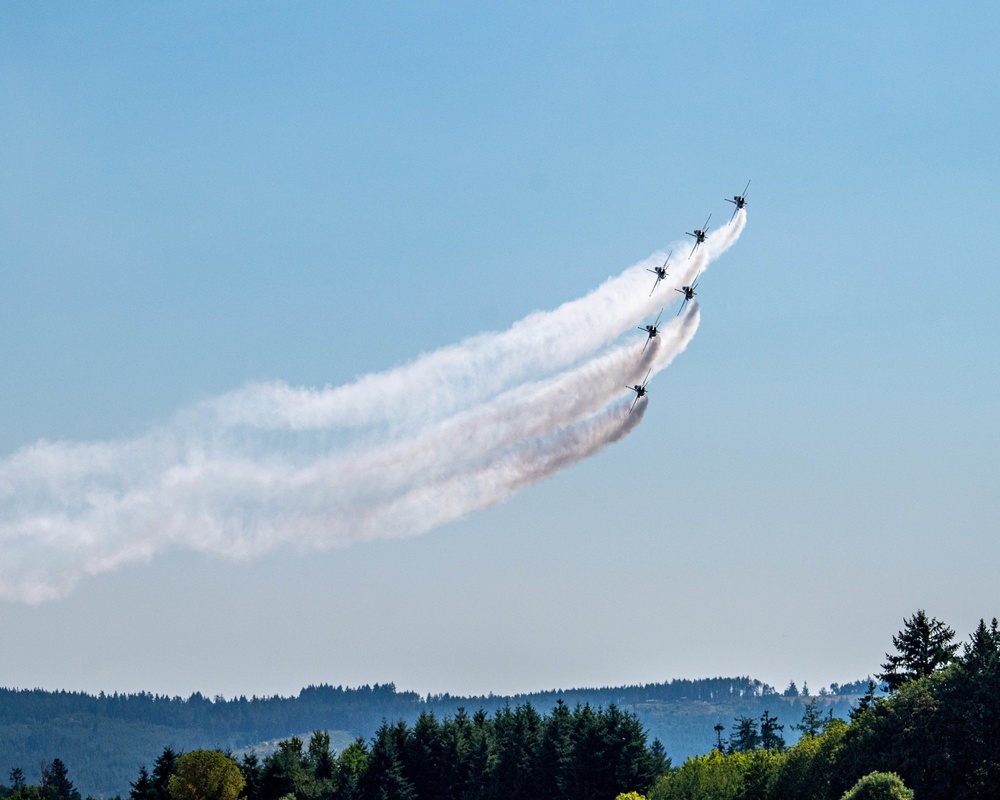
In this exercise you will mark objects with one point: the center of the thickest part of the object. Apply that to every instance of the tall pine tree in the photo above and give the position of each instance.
(923, 646)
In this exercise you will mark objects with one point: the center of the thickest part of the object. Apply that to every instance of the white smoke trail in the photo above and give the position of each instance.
(241, 507)
(428, 507)
(226, 485)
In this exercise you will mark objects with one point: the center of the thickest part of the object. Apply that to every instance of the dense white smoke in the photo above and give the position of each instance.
(253, 470)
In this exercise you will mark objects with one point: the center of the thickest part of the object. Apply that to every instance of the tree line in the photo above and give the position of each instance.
(514, 754)
(929, 726)
(106, 737)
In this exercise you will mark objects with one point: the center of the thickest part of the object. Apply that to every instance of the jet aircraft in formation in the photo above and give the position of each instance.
(652, 331)
(660, 273)
(688, 292)
(739, 201)
(639, 389)
(699, 235)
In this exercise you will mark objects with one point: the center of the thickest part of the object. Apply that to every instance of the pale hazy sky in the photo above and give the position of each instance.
(198, 196)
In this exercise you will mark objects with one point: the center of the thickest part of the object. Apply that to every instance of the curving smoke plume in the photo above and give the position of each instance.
(252, 470)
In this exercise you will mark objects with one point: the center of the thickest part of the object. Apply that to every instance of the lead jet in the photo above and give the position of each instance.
(688, 292)
(651, 331)
(639, 389)
(699, 235)
(739, 201)
(660, 273)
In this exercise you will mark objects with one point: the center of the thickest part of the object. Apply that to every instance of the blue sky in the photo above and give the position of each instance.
(199, 196)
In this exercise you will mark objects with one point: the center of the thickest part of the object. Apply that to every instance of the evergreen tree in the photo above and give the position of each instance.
(582, 781)
(771, 737)
(142, 789)
(812, 720)
(516, 738)
(55, 784)
(384, 778)
(286, 772)
(351, 765)
(745, 736)
(555, 752)
(866, 701)
(973, 697)
(480, 756)
(164, 766)
(981, 656)
(923, 646)
(251, 769)
(424, 759)
(659, 761)
(319, 756)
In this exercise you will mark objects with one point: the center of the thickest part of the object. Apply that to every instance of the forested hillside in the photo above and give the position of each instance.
(928, 729)
(106, 738)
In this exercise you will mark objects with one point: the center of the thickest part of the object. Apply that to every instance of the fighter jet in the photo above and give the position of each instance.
(699, 235)
(739, 201)
(651, 331)
(639, 389)
(688, 292)
(660, 273)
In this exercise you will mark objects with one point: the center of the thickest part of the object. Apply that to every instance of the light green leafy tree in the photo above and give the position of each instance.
(206, 775)
(879, 786)
(710, 777)
(808, 768)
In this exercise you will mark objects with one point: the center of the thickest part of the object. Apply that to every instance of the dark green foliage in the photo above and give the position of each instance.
(106, 738)
(771, 737)
(748, 736)
(906, 733)
(745, 736)
(938, 732)
(555, 752)
(866, 701)
(319, 757)
(719, 745)
(583, 754)
(384, 778)
(974, 692)
(923, 646)
(812, 720)
(658, 760)
(164, 767)
(142, 789)
(56, 784)
(251, 768)
(285, 771)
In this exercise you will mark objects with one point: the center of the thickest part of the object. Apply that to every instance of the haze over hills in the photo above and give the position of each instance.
(105, 739)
